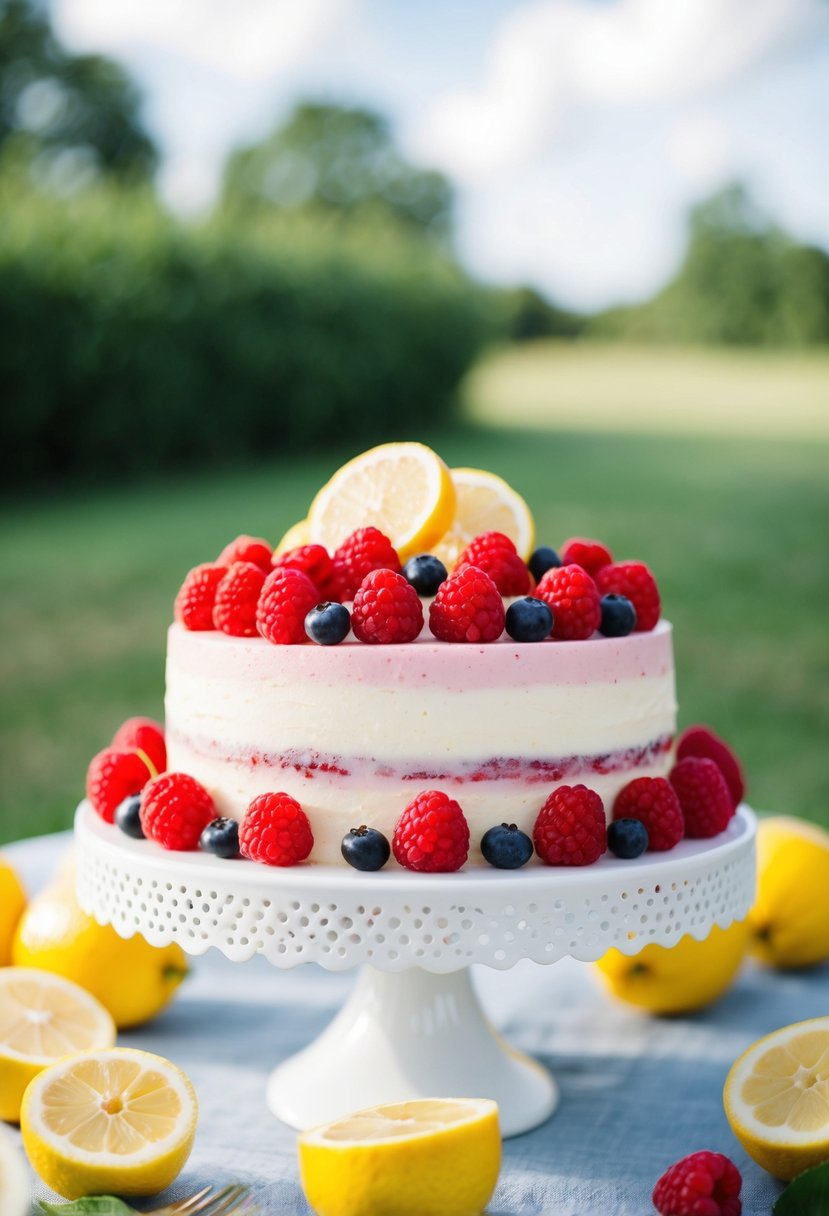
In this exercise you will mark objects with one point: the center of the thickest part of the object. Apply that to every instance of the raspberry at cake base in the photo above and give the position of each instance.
(355, 732)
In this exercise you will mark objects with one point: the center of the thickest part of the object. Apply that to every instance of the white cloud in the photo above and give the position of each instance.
(248, 40)
(552, 60)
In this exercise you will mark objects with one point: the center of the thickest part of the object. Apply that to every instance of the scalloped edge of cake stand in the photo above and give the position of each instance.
(412, 1026)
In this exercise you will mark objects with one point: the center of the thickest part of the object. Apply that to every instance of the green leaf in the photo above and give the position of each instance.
(92, 1205)
(807, 1194)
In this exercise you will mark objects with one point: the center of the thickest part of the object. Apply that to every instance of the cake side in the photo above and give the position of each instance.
(355, 732)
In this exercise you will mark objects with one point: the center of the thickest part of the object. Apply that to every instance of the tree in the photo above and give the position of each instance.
(743, 281)
(66, 114)
(338, 162)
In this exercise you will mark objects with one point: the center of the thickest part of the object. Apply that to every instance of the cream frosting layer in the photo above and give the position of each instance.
(354, 732)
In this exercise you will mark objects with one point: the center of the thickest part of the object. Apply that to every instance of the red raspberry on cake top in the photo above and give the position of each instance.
(571, 828)
(703, 795)
(702, 741)
(247, 549)
(113, 775)
(570, 594)
(386, 609)
(287, 597)
(702, 1184)
(175, 810)
(432, 834)
(143, 735)
(276, 831)
(365, 550)
(316, 562)
(591, 555)
(654, 802)
(194, 603)
(496, 554)
(635, 582)
(237, 595)
(467, 608)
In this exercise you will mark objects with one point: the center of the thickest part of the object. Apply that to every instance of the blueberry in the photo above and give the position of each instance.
(506, 847)
(627, 838)
(365, 848)
(221, 837)
(542, 560)
(529, 620)
(425, 573)
(127, 817)
(328, 623)
(618, 616)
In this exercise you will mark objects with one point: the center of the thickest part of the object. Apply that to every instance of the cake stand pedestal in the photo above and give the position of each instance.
(412, 1026)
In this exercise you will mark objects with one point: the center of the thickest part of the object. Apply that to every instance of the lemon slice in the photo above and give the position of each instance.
(485, 502)
(15, 1197)
(777, 1098)
(404, 489)
(428, 1157)
(296, 535)
(109, 1122)
(42, 1018)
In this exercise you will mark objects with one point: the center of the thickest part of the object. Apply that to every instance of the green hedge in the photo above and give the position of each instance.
(129, 342)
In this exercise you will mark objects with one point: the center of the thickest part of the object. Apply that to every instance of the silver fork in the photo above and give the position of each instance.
(229, 1201)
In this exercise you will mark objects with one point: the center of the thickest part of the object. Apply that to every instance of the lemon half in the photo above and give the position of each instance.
(42, 1018)
(404, 489)
(117, 1122)
(485, 502)
(427, 1157)
(777, 1098)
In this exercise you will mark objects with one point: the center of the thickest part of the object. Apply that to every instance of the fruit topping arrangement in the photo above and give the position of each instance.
(432, 835)
(395, 526)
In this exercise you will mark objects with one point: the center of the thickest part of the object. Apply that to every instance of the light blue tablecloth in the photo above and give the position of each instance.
(637, 1093)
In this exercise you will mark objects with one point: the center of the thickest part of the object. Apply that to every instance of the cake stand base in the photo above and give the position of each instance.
(410, 1034)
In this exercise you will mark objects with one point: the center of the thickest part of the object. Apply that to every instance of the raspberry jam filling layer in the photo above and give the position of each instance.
(310, 764)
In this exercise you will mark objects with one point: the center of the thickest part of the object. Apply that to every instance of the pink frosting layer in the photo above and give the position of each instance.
(505, 663)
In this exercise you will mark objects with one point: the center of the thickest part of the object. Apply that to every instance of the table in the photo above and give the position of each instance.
(636, 1092)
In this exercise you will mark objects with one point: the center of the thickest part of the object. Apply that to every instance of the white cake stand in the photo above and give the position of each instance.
(412, 1026)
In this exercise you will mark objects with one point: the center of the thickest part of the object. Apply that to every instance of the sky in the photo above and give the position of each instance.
(578, 133)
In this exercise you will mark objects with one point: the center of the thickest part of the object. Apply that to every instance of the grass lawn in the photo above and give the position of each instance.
(735, 528)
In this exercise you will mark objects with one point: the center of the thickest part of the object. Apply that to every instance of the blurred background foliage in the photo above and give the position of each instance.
(134, 341)
(318, 308)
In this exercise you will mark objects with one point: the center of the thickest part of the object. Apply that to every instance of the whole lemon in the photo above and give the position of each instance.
(12, 903)
(131, 978)
(680, 978)
(789, 923)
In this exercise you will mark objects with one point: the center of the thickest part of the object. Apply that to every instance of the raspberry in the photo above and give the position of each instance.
(571, 828)
(495, 554)
(571, 595)
(175, 810)
(703, 795)
(701, 741)
(315, 561)
(635, 582)
(467, 608)
(247, 549)
(287, 596)
(144, 735)
(113, 775)
(237, 595)
(275, 830)
(386, 609)
(194, 603)
(365, 550)
(431, 835)
(704, 1184)
(653, 801)
(591, 555)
